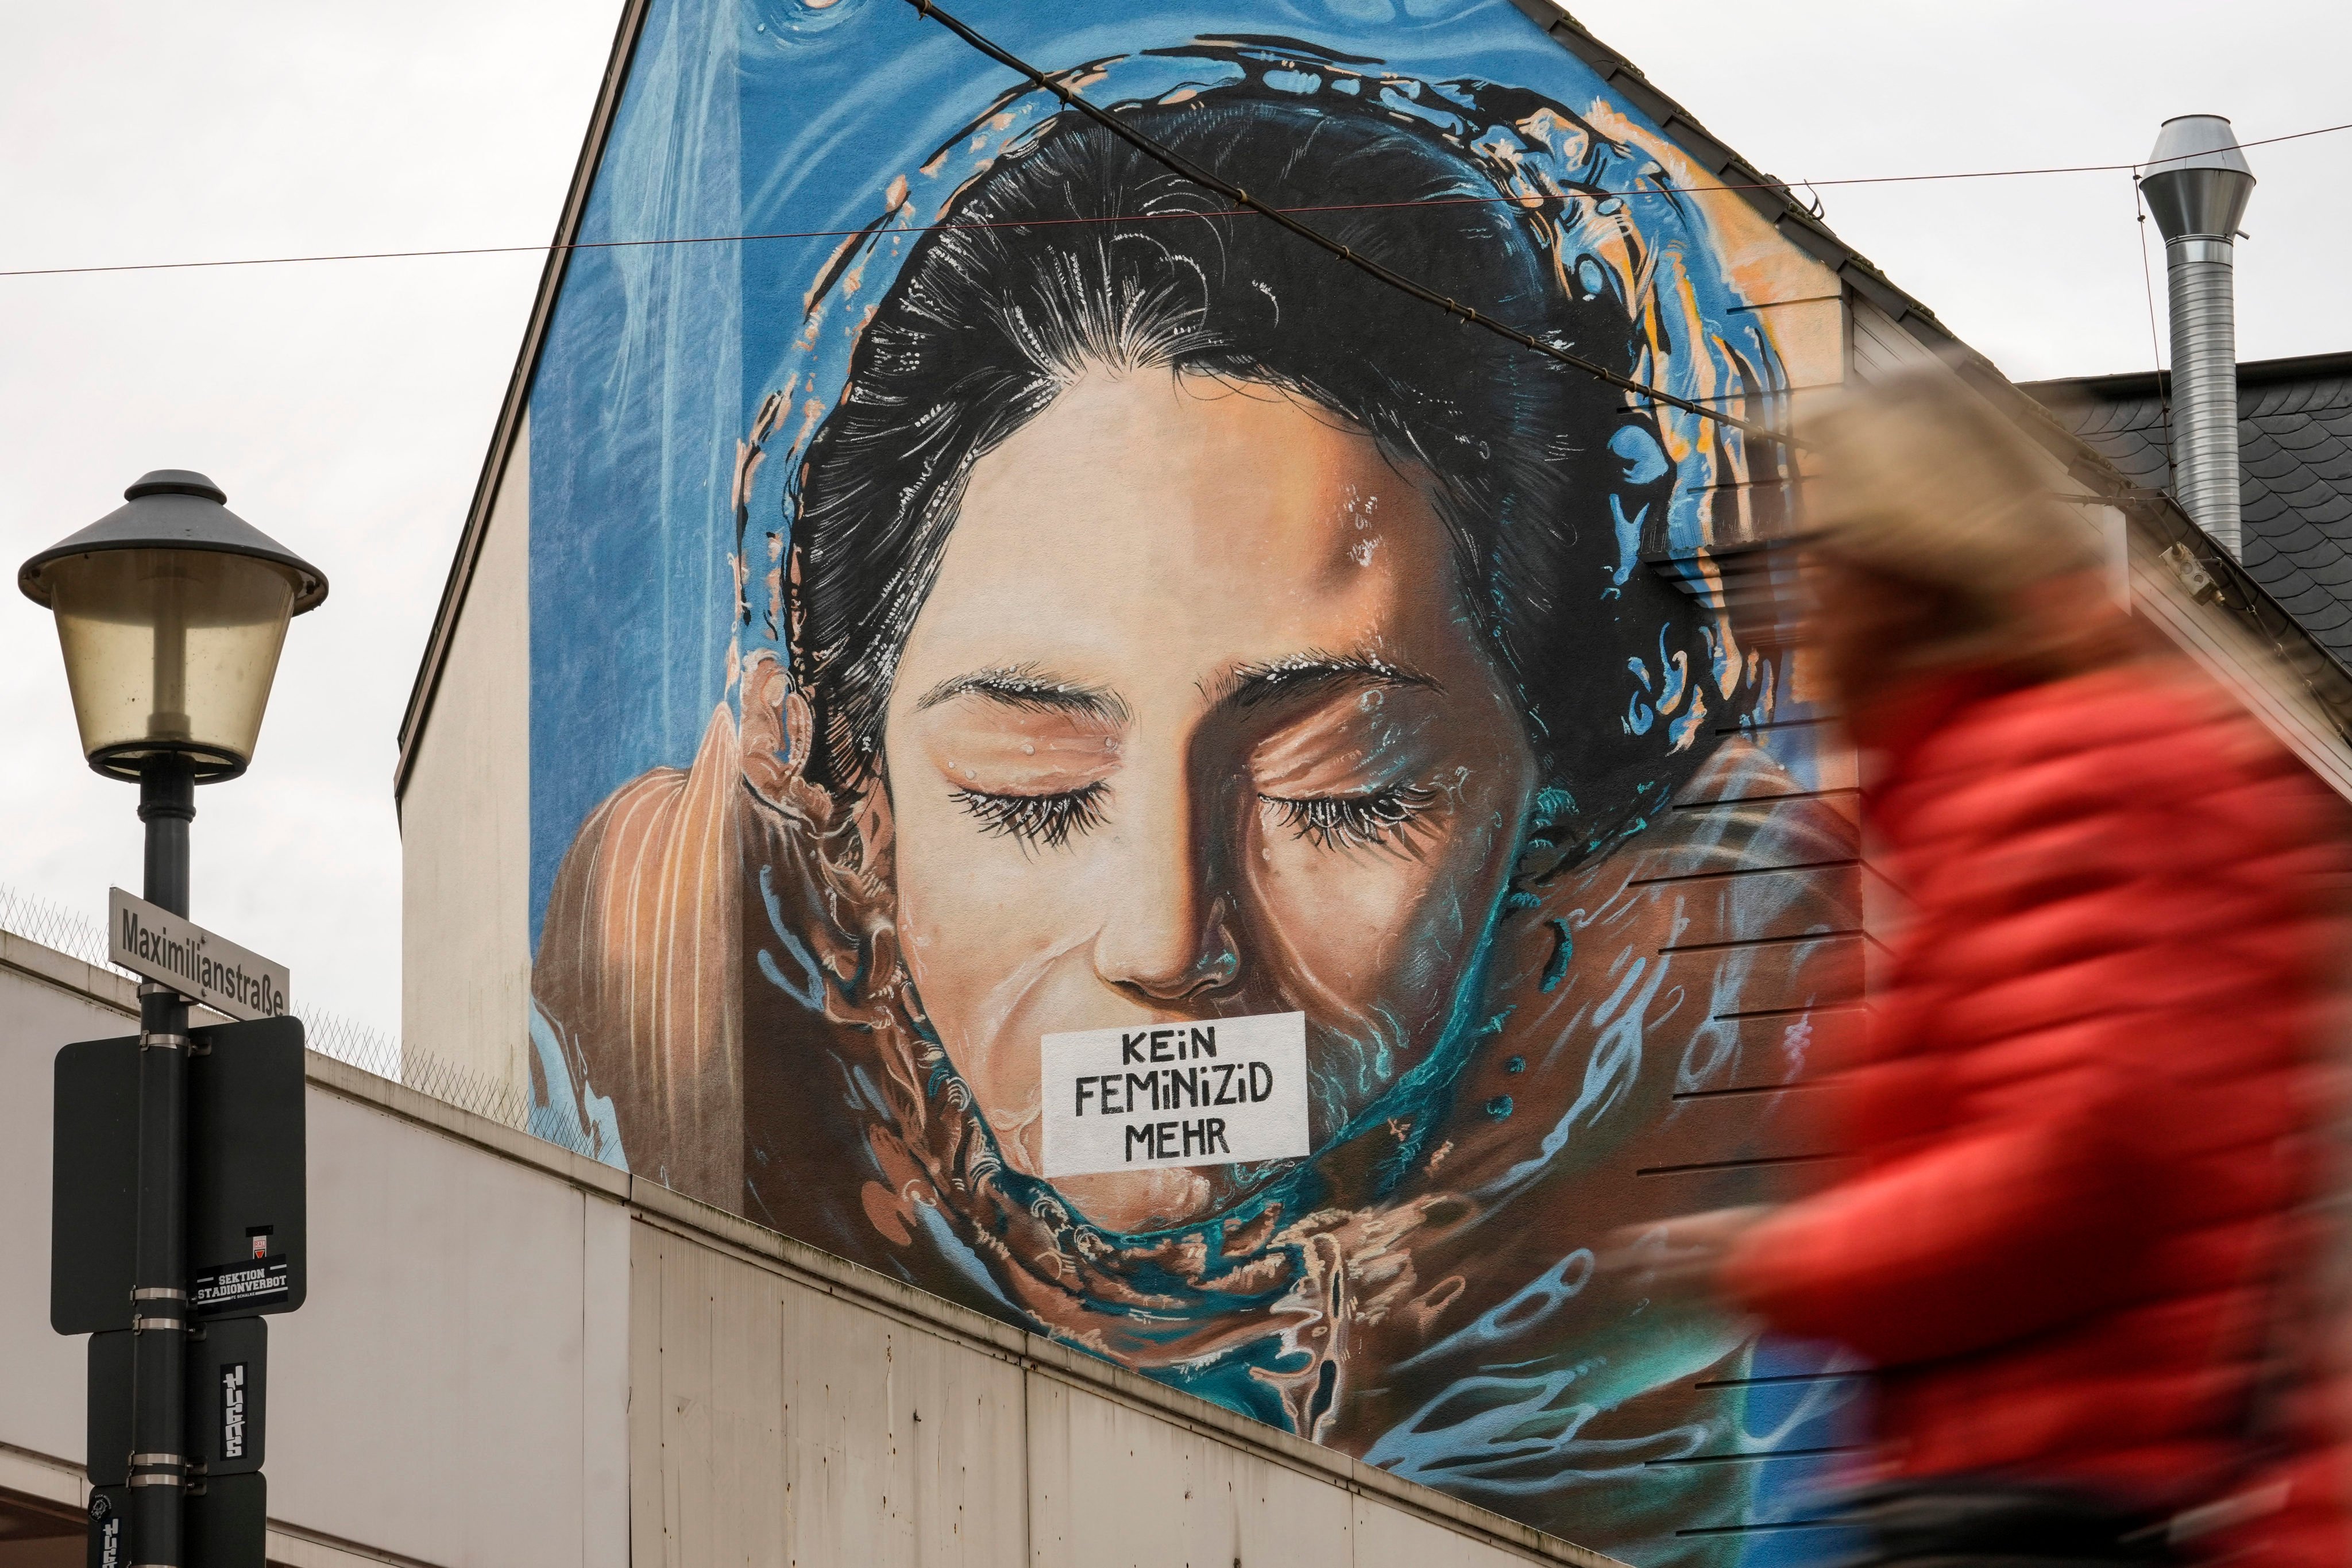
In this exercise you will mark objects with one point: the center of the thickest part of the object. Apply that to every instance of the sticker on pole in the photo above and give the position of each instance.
(241, 1287)
(235, 1379)
(203, 967)
(1217, 1092)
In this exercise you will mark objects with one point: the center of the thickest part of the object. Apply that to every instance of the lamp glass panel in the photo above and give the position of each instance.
(172, 650)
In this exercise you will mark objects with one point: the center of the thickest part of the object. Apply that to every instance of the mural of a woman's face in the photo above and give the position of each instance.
(1123, 613)
(1194, 722)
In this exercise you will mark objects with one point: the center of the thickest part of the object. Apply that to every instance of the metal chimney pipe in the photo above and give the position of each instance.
(2196, 184)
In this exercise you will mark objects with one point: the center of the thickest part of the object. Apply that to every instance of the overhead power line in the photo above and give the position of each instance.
(1246, 204)
(2011, 173)
(1287, 218)
(542, 247)
(1209, 179)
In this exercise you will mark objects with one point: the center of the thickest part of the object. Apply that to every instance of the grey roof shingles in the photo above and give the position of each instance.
(2294, 445)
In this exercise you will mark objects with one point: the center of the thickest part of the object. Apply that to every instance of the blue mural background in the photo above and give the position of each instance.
(800, 122)
(783, 117)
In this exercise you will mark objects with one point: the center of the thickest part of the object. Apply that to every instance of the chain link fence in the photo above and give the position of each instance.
(347, 1040)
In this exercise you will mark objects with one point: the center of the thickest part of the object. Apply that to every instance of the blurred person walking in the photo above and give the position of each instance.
(2091, 1111)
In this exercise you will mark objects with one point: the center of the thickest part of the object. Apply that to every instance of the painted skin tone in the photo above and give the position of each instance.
(1192, 724)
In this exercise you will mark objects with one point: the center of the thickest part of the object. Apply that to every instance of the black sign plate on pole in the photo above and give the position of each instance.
(228, 1384)
(94, 1176)
(108, 1446)
(247, 1206)
(247, 1210)
(110, 1527)
(229, 1389)
(225, 1523)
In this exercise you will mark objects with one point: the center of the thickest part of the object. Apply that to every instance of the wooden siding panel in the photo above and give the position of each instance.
(1770, 1049)
(1833, 975)
(1779, 1126)
(1817, 765)
(1810, 335)
(1771, 850)
(1801, 1419)
(2224, 650)
(1719, 909)
(1693, 1189)
(1881, 347)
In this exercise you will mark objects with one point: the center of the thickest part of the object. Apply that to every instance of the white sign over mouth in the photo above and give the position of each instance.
(1216, 1092)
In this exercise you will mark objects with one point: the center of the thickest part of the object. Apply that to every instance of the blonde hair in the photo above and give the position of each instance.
(1918, 478)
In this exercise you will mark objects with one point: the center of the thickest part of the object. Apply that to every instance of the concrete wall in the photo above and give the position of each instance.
(457, 1389)
(455, 1393)
(792, 1408)
(512, 1357)
(46, 1000)
(465, 819)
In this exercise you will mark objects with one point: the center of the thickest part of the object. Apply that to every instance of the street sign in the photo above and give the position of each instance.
(226, 1523)
(228, 1384)
(243, 1149)
(228, 1381)
(93, 1186)
(165, 947)
(247, 1210)
(107, 1451)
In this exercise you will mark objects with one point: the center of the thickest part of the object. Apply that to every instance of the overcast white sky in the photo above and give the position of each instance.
(345, 407)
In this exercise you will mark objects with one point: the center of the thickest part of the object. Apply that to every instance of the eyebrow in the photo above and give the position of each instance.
(1310, 674)
(1033, 691)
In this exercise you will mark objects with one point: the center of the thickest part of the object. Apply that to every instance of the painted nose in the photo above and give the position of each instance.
(1170, 935)
(1181, 960)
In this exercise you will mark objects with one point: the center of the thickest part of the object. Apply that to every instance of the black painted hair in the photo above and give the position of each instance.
(985, 325)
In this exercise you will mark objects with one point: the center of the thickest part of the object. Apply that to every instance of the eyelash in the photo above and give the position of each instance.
(1329, 822)
(1353, 821)
(1028, 819)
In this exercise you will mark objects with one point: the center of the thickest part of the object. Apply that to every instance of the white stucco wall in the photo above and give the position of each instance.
(464, 818)
(455, 1390)
(46, 999)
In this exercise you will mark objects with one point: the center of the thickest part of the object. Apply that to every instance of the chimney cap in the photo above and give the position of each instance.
(2197, 181)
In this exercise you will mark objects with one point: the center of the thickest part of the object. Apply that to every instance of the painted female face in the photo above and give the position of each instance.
(1194, 723)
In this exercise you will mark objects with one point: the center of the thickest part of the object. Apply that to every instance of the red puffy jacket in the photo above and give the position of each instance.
(2092, 1097)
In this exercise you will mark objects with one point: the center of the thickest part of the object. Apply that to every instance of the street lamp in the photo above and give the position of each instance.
(171, 611)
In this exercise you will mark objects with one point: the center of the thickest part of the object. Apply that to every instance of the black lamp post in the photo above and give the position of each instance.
(171, 611)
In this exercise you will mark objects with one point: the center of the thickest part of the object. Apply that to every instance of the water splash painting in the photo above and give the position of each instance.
(1035, 595)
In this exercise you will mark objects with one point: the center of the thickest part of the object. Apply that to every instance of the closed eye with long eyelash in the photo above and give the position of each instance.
(1035, 819)
(1353, 821)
